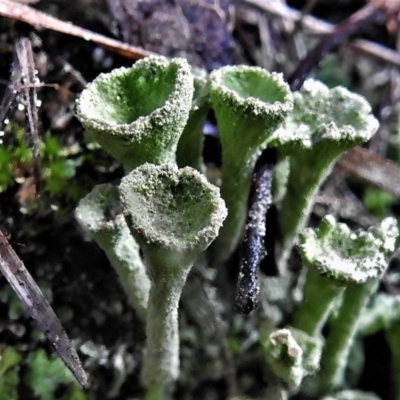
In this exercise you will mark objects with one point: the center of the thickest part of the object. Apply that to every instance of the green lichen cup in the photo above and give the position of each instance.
(100, 215)
(174, 214)
(249, 104)
(349, 262)
(324, 124)
(138, 114)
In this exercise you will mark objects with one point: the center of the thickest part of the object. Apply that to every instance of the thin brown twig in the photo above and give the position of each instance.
(40, 20)
(339, 35)
(38, 308)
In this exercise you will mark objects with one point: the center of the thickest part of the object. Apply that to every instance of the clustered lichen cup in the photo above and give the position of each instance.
(340, 261)
(174, 214)
(100, 214)
(324, 124)
(138, 114)
(148, 117)
(249, 104)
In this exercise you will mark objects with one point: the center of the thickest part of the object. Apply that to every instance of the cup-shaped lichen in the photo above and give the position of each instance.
(137, 114)
(292, 355)
(353, 260)
(249, 103)
(100, 214)
(174, 214)
(324, 123)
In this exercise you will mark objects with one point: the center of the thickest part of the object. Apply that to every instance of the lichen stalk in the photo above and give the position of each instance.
(190, 146)
(316, 304)
(393, 335)
(161, 358)
(300, 194)
(337, 347)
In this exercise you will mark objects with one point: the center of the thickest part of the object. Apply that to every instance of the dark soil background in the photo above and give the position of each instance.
(72, 271)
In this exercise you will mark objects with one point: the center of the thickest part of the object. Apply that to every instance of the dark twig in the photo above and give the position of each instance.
(358, 20)
(253, 245)
(38, 308)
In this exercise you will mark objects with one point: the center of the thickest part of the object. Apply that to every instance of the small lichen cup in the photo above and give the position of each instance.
(249, 104)
(353, 262)
(174, 214)
(324, 124)
(138, 114)
(292, 355)
(100, 215)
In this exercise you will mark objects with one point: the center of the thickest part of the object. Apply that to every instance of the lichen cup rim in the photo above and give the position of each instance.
(90, 210)
(349, 256)
(346, 117)
(91, 116)
(253, 103)
(180, 221)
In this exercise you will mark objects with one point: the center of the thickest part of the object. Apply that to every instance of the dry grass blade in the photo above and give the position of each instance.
(28, 84)
(317, 26)
(39, 309)
(26, 65)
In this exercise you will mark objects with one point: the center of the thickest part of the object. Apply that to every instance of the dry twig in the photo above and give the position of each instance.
(317, 26)
(38, 308)
(40, 20)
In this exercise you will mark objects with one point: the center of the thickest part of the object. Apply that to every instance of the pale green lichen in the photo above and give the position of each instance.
(348, 256)
(337, 257)
(324, 124)
(175, 215)
(100, 214)
(354, 261)
(292, 355)
(323, 114)
(175, 210)
(249, 104)
(137, 114)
